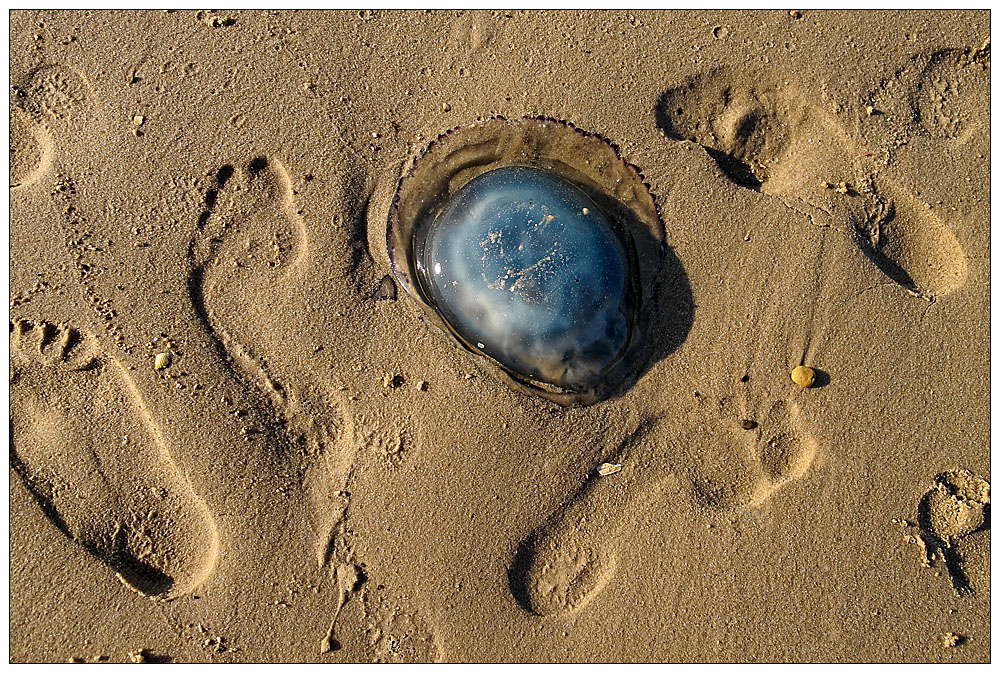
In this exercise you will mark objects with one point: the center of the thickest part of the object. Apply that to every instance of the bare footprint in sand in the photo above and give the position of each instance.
(42, 105)
(253, 266)
(568, 560)
(957, 507)
(88, 451)
(31, 149)
(247, 268)
(771, 137)
(911, 245)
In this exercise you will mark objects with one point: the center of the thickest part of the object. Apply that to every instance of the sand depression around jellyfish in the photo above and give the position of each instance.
(533, 244)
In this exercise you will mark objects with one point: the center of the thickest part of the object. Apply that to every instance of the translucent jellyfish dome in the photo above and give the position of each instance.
(533, 245)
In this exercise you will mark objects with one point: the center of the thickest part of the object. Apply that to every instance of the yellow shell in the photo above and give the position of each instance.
(803, 376)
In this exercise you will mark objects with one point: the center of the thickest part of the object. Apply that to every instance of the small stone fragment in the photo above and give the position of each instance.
(870, 109)
(747, 424)
(445, 107)
(608, 468)
(795, 14)
(140, 656)
(137, 120)
(161, 361)
(422, 386)
(950, 639)
(386, 289)
(803, 376)
(842, 188)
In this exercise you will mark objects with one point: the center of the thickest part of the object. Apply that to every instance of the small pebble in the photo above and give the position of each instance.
(608, 468)
(950, 639)
(386, 289)
(803, 376)
(445, 107)
(747, 424)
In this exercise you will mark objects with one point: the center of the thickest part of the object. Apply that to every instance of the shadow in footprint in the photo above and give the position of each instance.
(553, 575)
(912, 246)
(739, 129)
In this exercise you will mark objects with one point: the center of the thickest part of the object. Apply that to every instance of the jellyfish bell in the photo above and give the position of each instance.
(532, 244)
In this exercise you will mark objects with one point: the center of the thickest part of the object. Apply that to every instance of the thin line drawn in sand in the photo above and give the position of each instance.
(773, 139)
(955, 508)
(42, 104)
(89, 452)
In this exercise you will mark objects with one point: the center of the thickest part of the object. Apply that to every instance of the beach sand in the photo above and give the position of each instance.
(228, 444)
